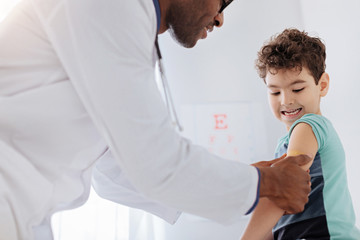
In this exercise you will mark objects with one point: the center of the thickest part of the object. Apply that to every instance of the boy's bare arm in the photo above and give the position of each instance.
(263, 219)
(267, 213)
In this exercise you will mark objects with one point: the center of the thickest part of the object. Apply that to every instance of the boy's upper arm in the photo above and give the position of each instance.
(303, 141)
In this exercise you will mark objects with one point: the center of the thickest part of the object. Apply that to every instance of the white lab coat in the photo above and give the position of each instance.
(110, 182)
(77, 78)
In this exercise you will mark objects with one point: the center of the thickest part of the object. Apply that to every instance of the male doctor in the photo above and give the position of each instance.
(78, 100)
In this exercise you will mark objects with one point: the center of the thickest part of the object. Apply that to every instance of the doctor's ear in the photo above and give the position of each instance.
(324, 84)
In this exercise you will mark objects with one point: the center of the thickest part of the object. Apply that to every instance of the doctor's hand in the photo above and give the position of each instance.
(268, 163)
(285, 182)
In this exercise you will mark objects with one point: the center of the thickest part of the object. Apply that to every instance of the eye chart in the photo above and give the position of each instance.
(235, 131)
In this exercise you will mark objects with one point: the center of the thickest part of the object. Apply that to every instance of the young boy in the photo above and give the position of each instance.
(292, 66)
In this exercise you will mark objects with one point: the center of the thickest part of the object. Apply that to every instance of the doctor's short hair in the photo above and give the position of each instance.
(292, 49)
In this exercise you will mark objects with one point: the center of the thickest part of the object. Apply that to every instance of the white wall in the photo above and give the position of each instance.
(221, 69)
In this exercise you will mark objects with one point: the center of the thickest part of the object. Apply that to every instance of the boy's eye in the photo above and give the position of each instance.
(275, 93)
(298, 90)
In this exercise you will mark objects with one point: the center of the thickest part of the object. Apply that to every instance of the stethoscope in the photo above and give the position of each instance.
(168, 98)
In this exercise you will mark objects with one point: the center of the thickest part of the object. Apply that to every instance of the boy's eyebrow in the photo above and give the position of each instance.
(293, 83)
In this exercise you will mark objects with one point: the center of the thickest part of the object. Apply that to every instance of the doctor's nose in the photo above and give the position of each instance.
(219, 19)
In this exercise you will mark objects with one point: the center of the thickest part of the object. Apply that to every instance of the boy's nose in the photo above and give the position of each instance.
(287, 99)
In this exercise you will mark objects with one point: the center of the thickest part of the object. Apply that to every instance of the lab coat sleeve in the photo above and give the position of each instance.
(110, 182)
(107, 47)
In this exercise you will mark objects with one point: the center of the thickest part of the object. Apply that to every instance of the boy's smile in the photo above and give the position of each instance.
(293, 93)
(291, 113)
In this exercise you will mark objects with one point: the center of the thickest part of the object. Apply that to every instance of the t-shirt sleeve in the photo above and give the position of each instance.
(319, 126)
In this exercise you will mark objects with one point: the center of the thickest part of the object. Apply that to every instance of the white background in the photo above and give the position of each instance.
(221, 70)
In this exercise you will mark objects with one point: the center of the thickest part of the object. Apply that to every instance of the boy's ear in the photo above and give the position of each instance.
(324, 84)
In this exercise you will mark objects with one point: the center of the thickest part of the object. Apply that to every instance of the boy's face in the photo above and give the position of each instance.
(292, 94)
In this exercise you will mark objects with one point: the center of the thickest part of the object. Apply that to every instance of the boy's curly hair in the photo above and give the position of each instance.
(292, 49)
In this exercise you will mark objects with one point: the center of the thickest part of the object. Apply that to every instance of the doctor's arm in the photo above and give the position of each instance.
(267, 214)
(111, 183)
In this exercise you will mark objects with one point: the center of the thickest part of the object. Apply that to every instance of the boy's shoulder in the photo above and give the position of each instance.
(314, 120)
(321, 127)
(313, 117)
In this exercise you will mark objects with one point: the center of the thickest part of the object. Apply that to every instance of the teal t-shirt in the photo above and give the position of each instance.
(329, 195)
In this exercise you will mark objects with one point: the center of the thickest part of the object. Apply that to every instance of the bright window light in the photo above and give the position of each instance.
(6, 6)
(98, 219)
